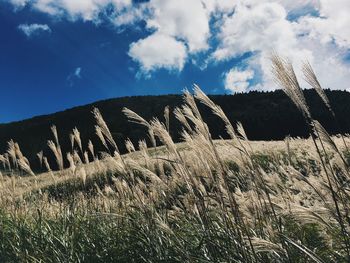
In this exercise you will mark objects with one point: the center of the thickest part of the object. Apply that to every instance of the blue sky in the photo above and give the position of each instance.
(56, 54)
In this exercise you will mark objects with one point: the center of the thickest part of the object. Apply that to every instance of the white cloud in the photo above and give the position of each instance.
(332, 25)
(181, 28)
(237, 80)
(182, 24)
(87, 10)
(74, 77)
(19, 3)
(263, 27)
(295, 5)
(159, 51)
(220, 6)
(259, 29)
(129, 15)
(83, 9)
(250, 29)
(77, 72)
(187, 20)
(223, 30)
(32, 29)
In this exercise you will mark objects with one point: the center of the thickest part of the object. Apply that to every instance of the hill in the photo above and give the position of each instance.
(265, 116)
(201, 200)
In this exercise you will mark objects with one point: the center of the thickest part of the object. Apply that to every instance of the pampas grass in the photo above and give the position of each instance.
(58, 155)
(285, 77)
(202, 200)
(56, 148)
(167, 118)
(77, 139)
(91, 149)
(40, 156)
(135, 118)
(311, 78)
(103, 131)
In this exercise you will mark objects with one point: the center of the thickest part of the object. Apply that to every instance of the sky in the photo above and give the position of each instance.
(56, 54)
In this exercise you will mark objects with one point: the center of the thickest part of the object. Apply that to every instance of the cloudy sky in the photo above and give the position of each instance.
(55, 54)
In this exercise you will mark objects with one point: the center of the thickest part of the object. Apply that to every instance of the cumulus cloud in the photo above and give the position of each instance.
(260, 27)
(181, 28)
(333, 24)
(237, 80)
(159, 51)
(250, 29)
(219, 6)
(33, 29)
(187, 20)
(224, 30)
(298, 5)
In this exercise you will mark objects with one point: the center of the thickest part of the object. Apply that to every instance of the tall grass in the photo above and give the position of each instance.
(204, 200)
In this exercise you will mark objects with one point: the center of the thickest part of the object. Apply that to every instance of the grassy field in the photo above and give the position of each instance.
(202, 200)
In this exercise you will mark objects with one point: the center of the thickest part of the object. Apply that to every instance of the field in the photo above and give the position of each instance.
(202, 200)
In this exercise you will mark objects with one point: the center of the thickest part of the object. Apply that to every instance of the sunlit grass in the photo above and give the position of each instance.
(202, 200)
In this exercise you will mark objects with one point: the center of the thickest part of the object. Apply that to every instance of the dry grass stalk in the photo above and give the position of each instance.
(86, 157)
(47, 165)
(241, 131)
(11, 150)
(55, 134)
(57, 152)
(77, 138)
(103, 129)
(71, 162)
(100, 136)
(77, 158)
(40, 156)
(324, 136)
(91, 149)
(56, 148)
(161, 132)
(129, 146)
(262, 245)
(3, 160)
(23, 164)
(135, 118)
(71, 139)
(311, 78)
(167, 117)
(285, 77)
(217, 110)
(178, 112)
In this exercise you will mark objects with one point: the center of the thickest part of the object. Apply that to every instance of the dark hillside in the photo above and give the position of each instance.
(265, 116)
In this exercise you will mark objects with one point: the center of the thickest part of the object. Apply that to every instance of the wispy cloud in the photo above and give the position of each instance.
(73, 77)
(19, 3)
(77, 72)
(33, 29)
(87, 10)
